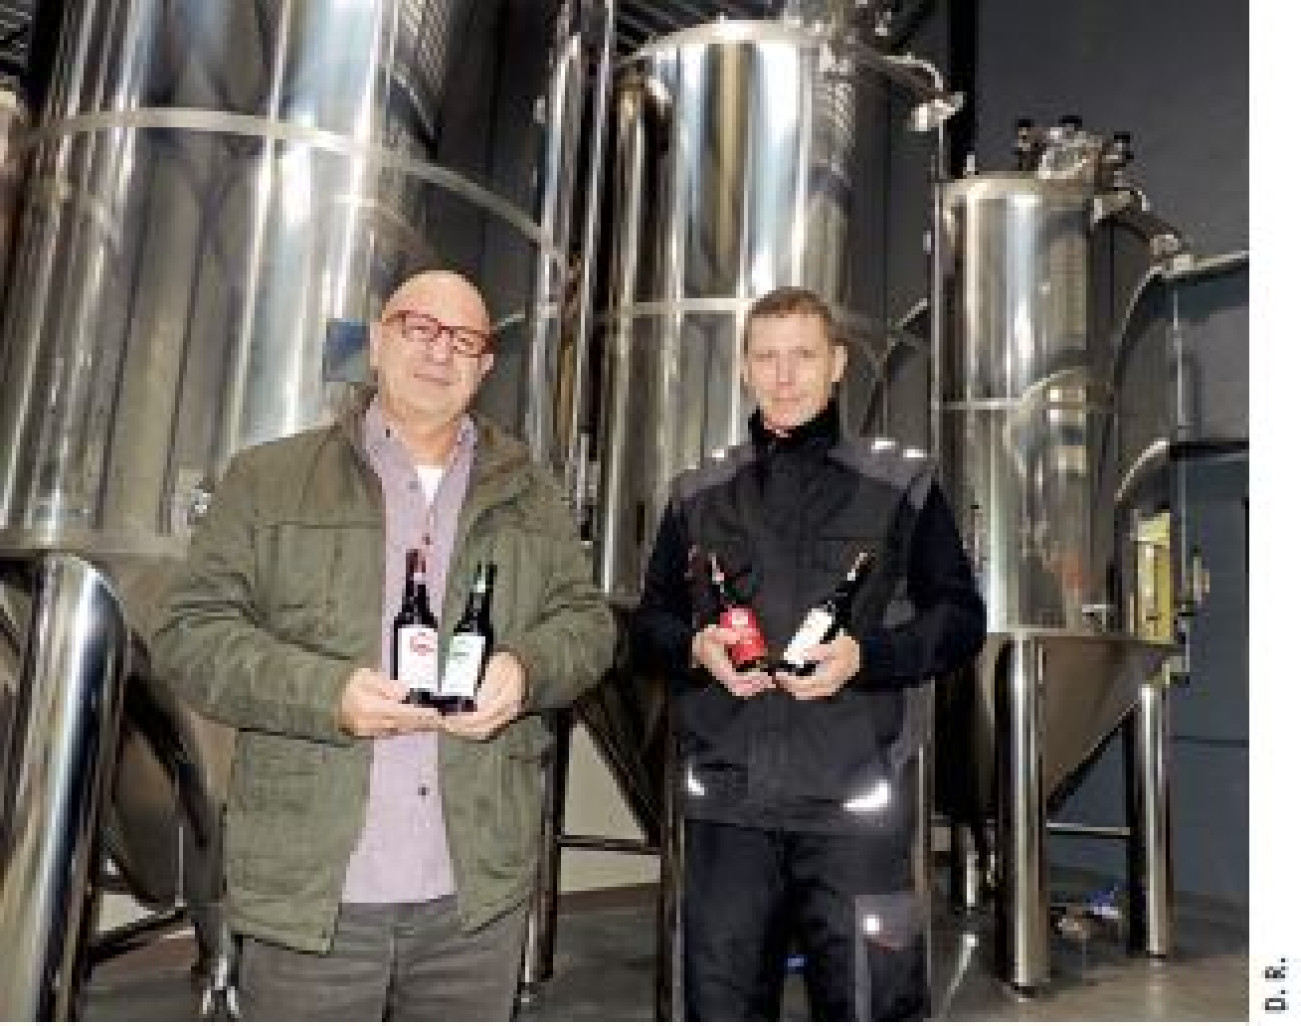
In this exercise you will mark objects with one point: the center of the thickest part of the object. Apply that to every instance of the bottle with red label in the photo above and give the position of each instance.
(750, 650)
(415, 636)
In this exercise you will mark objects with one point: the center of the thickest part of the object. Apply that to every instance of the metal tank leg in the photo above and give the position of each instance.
(669, 1006)
(1151, 891)
(923, 855)
(540, 931)
(965, 876)
(69, 702)
(1021, 926)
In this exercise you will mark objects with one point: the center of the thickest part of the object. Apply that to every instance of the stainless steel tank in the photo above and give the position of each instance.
(56, 763)
(209, 185)
(747, 155)
(1025, 420)
(13, 125)
(1025, 397)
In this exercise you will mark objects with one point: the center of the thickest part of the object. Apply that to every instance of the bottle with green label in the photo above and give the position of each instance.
(469, 646)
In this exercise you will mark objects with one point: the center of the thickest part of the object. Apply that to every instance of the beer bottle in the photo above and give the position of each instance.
(470, 645)
(825, 620)
(750, 651)
(415, 636)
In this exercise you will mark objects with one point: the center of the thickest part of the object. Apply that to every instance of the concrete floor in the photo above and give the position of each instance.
(604, 970)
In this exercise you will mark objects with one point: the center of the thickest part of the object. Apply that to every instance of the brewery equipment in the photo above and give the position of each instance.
(1025, 420)
(13, 124)
(747, 155)
(56, 764)
(207, 186)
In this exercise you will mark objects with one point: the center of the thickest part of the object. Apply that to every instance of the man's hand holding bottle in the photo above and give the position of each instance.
(817, 662)
(834, 663)
(709, 648)
(372, 706)
(499, 700)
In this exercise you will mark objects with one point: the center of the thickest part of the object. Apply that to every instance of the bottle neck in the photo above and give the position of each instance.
(415, 579)
(862, 564)
(477, 606)
(480, 600)
(422, 600)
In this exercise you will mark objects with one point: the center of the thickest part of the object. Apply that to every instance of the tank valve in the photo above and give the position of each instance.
(1099, 615)
(1025, 145)
(1201, 579)
(1115, 156)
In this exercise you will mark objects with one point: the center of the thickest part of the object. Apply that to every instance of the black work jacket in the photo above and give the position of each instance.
(785, 517)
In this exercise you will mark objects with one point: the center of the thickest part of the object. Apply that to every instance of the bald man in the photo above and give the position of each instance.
(379, 855)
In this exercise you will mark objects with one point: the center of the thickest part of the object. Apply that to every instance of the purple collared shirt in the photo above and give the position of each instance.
(402, 855)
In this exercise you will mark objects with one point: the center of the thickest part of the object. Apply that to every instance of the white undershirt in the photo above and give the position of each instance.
(430, 476)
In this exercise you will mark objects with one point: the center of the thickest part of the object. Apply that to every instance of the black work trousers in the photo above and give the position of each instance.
(752, 896)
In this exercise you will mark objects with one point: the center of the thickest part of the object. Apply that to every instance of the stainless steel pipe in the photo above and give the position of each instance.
(68, 704)
(575, 436)
(554, 433)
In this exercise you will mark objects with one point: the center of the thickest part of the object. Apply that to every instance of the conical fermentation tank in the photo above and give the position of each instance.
(1025, 413)
(1025, 419)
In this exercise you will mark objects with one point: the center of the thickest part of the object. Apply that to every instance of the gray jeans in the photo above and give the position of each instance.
(389, 962)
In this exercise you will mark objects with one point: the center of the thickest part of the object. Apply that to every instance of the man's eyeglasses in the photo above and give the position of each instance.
(423, 329)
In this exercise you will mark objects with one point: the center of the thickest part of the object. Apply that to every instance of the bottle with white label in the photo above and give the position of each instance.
(469, 646)
(825, 620)
(415, 636)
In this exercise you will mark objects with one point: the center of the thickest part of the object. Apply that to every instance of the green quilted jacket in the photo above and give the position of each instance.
(279, 600)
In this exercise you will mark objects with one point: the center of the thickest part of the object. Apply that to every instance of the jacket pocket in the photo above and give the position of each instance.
(502, 819)
(835, 554)
(274, 774)
(325, 583)
(833, 751)
(739, 563)
(832, 557)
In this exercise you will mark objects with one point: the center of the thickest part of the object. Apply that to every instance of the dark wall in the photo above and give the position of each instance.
(1174, 74)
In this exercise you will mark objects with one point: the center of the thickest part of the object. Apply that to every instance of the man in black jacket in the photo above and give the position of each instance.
(799, 812)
